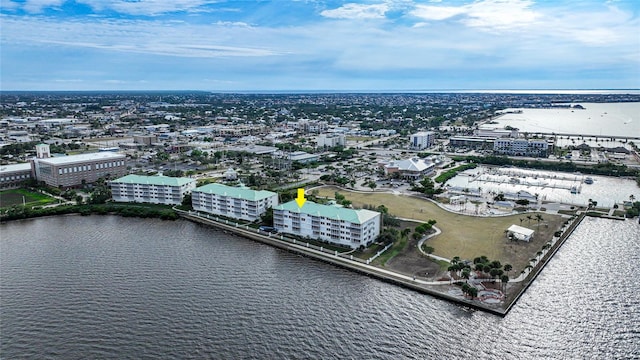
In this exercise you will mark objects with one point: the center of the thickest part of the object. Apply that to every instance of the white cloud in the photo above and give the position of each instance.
(135, 7)
(357, 11)
(489, 14)
(36, 6)
(429, 12)
(148, 37)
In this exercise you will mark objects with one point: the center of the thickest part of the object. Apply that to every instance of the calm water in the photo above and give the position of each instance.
(111, 287)
(606, 190)
(613, 119)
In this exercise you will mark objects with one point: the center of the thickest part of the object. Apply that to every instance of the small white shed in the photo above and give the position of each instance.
(520, 233)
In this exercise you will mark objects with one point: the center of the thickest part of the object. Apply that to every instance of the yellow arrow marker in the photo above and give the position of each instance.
(300, 199)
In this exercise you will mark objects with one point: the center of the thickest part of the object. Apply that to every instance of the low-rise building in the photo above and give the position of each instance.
(331, 223)
(521, 147)
(413, 168)
(234, 202)
(151, 189)
(13, 176)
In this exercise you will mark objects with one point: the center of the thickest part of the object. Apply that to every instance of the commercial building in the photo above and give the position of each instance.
(151, 189)
(235, 202)
(331, 223)
(413, 168)
(74, 170)
(12, 176)
(422, 140)
(521, 147)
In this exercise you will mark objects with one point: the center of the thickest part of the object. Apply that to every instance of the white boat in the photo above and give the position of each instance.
(588, 180)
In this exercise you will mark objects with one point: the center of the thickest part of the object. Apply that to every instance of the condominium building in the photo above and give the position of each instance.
(74, 170)
(235, 202)
(521, 147)
(422, 140)
(338, 225)
(151, 189)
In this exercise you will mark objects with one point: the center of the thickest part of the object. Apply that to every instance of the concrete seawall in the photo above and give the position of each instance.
(543, 262)
(376, 272)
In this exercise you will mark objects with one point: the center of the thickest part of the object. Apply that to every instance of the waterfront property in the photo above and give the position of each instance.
(151, 189)
(74, 170)
(332, 223)
(235, 202)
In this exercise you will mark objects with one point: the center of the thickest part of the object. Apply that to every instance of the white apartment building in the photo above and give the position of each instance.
(422, 140)
(338, 225)
(234, 202)
(151, 189)
(521, 147)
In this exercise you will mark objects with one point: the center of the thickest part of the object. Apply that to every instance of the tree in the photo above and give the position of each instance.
(466, 273)
(455, 260)
(529, 217)
(428, 249)
(372, 184)
(507, 267)
(538, 219)
(473, 292)
(505, 280)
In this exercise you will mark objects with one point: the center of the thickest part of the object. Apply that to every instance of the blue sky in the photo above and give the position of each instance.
(318, 45)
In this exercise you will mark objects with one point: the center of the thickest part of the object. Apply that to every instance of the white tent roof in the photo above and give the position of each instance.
(520, 230)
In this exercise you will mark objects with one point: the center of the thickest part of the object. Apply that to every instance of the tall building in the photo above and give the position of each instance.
(338, 225)
(422, 140)
(151, 189)
(74, 170)
(234, 202)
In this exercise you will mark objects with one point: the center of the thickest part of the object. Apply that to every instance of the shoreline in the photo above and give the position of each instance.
(384, 274)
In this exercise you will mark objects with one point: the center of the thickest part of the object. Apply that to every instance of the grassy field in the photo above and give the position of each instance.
(462, 235)
(12, 197)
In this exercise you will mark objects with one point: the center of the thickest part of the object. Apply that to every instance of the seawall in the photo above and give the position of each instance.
(353, 265)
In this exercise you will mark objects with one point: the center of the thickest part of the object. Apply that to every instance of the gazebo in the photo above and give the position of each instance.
(520, 233)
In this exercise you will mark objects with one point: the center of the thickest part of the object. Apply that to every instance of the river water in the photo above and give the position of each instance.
(110, 287)
(597, 119)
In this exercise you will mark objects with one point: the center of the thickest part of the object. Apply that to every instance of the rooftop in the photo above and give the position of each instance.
(15, 167)
(154, 180)
(243, 193)
(329, 211)
(61, 160)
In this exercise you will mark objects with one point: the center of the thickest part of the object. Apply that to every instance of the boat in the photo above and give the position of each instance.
(575, 190)
(588, 180)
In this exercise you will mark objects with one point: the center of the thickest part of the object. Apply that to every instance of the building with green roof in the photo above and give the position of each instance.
(235, 202)
(151, 189)
(332, 223)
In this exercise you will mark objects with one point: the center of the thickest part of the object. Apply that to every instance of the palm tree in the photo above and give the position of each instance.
(505, 280)
(529, 217)
(455, 260)
(507, 267)
(538, 219)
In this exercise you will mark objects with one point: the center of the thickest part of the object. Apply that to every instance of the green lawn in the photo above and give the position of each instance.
(462, 235)
(12, 197)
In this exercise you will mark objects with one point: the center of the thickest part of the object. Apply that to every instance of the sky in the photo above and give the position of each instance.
(289, 45)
